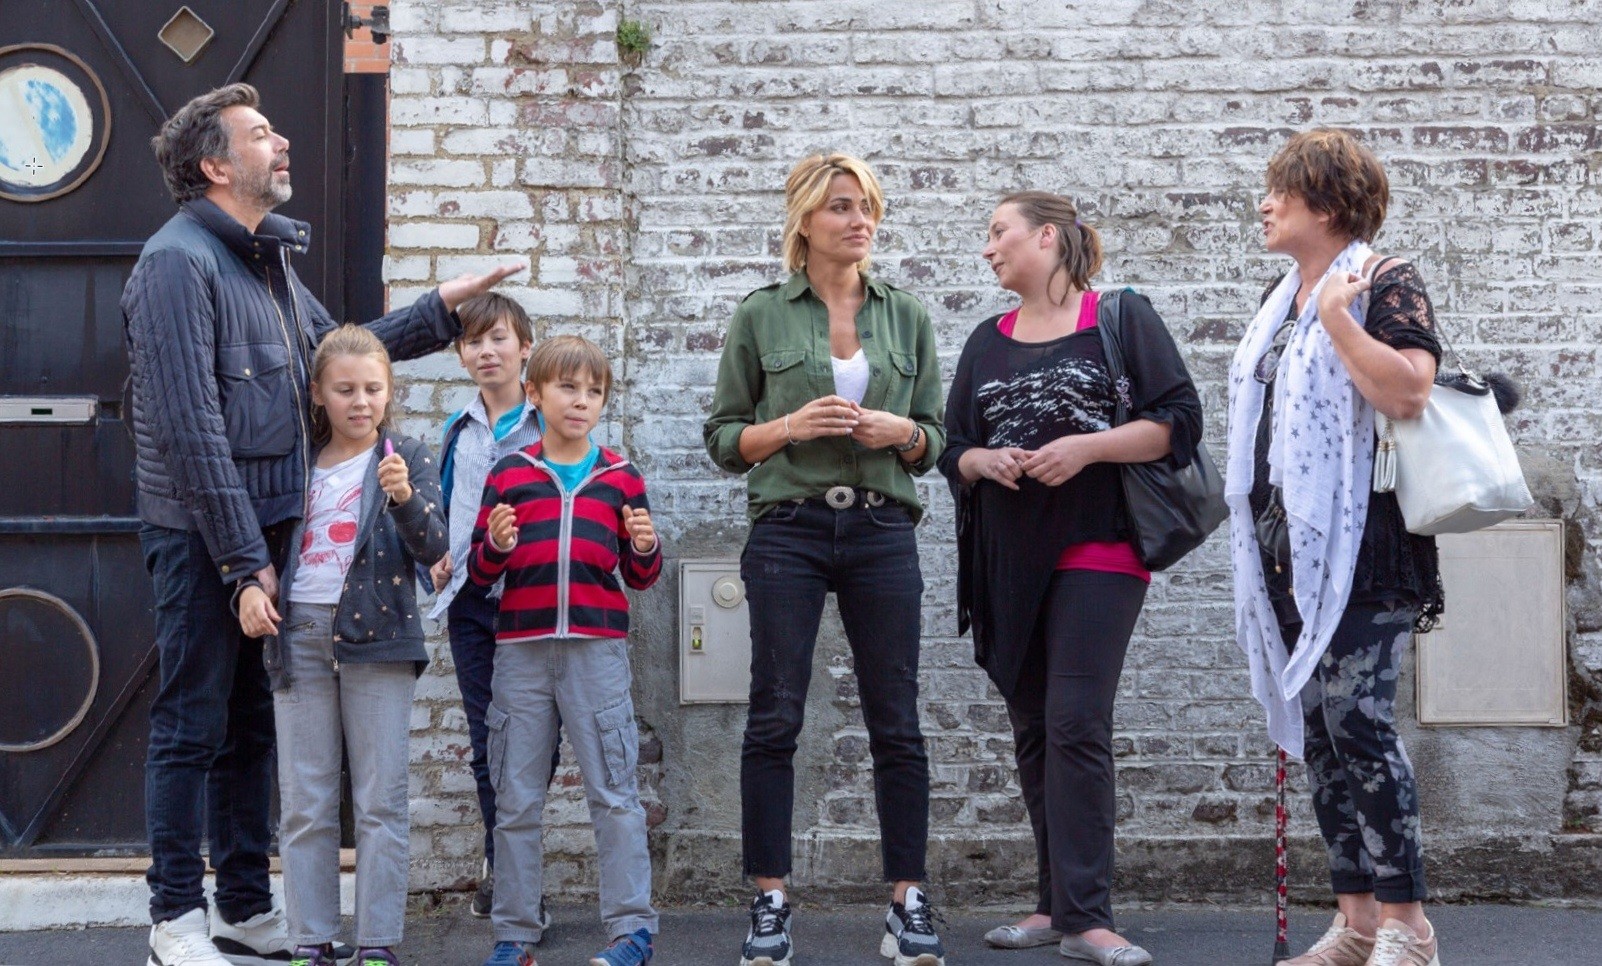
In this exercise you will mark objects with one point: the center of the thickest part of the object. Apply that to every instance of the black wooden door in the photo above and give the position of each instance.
(84, 84)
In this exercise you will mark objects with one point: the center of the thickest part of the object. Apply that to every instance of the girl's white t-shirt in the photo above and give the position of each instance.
(851, 377)
(333, 517)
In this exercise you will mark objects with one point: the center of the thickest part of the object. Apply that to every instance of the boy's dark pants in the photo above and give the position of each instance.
(470, 621)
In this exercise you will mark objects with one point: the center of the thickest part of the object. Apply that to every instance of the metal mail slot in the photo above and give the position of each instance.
(59, 410)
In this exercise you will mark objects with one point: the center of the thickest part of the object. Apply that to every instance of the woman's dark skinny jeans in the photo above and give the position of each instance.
(868, 557)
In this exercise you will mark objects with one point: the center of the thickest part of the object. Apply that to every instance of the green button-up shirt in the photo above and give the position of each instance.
(776, 360)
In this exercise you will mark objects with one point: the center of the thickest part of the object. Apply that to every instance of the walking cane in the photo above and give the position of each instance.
(1281, 873)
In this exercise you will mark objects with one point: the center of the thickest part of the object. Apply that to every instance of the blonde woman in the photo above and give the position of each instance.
(828, 399)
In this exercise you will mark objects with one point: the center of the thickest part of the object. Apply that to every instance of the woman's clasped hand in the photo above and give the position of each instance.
(1053, 464)
(836, 416)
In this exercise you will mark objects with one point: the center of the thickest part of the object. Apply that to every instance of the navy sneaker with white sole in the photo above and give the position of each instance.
(909, 932)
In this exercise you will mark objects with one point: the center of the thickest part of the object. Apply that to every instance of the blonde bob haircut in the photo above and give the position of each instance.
(807, 189)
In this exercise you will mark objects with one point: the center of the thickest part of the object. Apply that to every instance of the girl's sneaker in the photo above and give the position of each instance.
(313, 956)
(631, 950)
(376, 956)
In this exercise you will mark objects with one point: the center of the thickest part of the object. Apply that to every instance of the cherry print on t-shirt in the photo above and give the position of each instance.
(331, 532)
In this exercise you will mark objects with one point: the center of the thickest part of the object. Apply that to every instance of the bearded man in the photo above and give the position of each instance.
(220, 335)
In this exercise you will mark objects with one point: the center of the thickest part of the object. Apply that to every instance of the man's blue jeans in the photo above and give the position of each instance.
(210, 762)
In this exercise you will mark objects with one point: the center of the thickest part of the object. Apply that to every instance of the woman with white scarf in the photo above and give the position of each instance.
(1329, 585)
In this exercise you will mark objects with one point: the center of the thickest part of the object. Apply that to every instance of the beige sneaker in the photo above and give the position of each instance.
(1398, 945)
(1339, 946)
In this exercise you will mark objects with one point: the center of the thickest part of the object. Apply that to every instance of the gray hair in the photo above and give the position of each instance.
(194, 133)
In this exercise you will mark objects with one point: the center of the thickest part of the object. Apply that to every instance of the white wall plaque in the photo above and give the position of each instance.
(1499, 655)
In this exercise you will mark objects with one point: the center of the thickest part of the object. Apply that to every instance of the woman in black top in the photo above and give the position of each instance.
(1329, 583)
(1047, 575)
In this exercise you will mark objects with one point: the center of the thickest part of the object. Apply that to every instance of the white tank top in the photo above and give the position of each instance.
(851, 377)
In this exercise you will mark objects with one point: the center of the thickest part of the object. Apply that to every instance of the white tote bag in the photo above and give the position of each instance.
(1453, 468)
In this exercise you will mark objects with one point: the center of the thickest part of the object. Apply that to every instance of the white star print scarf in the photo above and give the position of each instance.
(1321, 456)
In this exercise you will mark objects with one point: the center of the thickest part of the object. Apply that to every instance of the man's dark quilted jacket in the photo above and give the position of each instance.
(220, 335)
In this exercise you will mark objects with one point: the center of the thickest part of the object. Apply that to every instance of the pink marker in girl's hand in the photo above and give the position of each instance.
(389, 448)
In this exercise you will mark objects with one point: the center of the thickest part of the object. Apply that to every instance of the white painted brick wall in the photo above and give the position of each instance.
(647, 201)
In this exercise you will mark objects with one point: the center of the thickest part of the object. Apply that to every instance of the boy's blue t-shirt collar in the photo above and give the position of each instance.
(508, 422)
(572, 474)
(511, 418)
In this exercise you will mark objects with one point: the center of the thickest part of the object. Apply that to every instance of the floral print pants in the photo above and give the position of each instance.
(1362, 782)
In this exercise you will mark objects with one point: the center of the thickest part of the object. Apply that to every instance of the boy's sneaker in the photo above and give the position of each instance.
(512, 954)
(183, 942)
(261, 940)
(631, 950)
(768, 943)
(313, 956)
(484, 898)
(376, 956)
(909, 933)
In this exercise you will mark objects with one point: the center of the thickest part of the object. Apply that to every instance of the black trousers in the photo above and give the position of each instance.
(1062, 722)
(868, 557)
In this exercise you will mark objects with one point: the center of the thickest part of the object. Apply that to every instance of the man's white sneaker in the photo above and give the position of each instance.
(183, 942)
(261, 940)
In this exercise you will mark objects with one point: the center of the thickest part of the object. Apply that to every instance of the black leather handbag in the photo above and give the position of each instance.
(1172, 508)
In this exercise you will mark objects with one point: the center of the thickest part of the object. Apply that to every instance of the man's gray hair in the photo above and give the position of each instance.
(196, 132)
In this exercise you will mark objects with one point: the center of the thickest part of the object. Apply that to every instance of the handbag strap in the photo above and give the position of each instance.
(1109, 318)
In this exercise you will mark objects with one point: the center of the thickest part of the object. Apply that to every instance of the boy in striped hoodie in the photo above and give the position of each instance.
(561, 520)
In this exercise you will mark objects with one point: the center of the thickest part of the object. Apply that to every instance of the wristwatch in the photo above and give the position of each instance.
(911, 444)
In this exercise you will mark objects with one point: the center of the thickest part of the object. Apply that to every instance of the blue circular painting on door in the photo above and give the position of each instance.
(54, 121)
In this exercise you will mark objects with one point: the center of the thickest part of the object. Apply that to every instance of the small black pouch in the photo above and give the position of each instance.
(1273, 541)
(1273, 533)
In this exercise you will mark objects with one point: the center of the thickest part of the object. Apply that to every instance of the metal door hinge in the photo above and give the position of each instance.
(376, 22)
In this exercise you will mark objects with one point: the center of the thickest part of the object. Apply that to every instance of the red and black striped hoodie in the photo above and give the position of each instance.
(561, 577)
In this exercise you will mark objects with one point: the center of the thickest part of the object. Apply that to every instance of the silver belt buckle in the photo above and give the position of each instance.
(839, 497)
(872, 498)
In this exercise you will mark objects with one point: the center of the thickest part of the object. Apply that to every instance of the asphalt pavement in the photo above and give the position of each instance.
(1188, 935)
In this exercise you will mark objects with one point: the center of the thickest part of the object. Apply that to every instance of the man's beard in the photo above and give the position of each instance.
(261, 189)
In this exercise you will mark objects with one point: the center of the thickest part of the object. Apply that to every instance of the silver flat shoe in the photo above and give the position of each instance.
(1022, 937)
(1076, 948)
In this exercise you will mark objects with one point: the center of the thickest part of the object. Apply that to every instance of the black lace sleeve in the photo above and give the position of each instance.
(1399, 310)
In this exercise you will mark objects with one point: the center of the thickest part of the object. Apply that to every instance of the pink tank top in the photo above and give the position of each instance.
(1110, 556)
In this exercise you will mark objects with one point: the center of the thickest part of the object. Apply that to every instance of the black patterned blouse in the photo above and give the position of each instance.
(1392, 564)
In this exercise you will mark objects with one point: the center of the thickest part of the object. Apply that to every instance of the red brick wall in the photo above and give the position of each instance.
(362, 56)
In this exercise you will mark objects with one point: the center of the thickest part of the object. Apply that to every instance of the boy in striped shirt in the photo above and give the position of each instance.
(562, 519)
